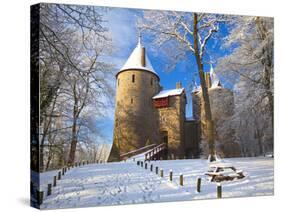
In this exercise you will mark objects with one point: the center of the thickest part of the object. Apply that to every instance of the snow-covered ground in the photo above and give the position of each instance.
(127, 183)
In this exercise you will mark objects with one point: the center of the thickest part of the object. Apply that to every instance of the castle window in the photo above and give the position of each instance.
(132, 100)
(133, 78)
(151, 81)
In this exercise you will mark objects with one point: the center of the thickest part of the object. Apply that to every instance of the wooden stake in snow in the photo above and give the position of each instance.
(199, 184)
(219, 190)
(40, 195)
(171, 175)
(161, 173)
(156, 169)
(59, 175)
(181, 179)
(49, 191)
(151, 167)
(55, 181)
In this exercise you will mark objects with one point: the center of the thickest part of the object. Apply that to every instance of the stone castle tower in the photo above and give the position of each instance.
(222, 107)
(144, 113)
(136, 120)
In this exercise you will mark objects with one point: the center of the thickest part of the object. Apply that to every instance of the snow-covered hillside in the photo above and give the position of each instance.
(127, 183)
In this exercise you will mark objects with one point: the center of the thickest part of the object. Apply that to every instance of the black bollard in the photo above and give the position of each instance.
(219, 190)
(181, 179)
(151, 167)
(55, 181)
(156, 169)
(199, 184)
(59, 175)
(49, 191)
(171, 175)
(40, 195)
(161, 173)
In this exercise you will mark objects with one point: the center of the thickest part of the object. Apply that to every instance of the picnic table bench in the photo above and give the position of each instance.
(220, 172)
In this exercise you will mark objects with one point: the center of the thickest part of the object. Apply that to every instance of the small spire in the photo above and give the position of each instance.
(139, 39)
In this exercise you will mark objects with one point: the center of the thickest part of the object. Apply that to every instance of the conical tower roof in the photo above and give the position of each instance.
(135, 60)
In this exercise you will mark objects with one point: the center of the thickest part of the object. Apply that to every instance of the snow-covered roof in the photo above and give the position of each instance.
(166, 93)
(134, 61)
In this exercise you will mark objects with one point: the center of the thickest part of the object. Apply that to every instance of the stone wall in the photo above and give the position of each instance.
(172, 121)
(136, 120)
(222, 107)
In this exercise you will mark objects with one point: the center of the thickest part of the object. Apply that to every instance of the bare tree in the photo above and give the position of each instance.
(180, 34)
(73, 74)
(250, 67)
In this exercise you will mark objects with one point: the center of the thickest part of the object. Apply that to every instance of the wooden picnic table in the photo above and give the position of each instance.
(218, 175)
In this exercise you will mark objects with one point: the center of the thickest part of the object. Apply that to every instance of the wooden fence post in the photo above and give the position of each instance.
(151, 167)
(40, 195)
(219, 190)
(171, 175)
(161, 173)
(181, 179)
(49, 191)
(199, 184)
(156, 169)
(59, 175)
(55, 181)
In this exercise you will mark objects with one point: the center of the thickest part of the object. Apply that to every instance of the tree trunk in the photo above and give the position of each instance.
(205, 94)
(71, 157)
(267, 62)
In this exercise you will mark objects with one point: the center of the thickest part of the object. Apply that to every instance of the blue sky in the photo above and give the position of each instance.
(121, 23)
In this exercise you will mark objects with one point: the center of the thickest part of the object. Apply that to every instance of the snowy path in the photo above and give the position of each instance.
(127, 183)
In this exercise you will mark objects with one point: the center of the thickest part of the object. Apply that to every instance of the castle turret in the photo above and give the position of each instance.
(222, 107)
(135, 117)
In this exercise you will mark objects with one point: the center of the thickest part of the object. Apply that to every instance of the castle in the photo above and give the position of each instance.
(146, 114)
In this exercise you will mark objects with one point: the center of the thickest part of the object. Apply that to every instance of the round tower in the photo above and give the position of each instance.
(222, 107)
(135, 123)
